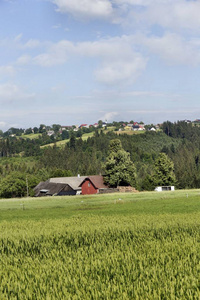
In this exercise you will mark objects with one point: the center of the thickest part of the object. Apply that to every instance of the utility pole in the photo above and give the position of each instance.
(27, 185)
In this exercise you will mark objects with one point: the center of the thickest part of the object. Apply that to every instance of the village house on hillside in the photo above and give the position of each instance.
(66, 128)
(84, 125)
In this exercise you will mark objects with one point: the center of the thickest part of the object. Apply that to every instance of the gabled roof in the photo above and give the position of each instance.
(73, 182)
(48, 188)
(96, 180)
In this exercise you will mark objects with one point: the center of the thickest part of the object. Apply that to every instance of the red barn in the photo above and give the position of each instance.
(92, 185)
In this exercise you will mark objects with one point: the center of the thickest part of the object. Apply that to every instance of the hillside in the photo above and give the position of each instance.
(29, 161)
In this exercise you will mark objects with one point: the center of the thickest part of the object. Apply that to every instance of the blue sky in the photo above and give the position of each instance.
(79, 61)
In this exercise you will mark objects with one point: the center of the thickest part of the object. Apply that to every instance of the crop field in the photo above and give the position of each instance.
(116, 246)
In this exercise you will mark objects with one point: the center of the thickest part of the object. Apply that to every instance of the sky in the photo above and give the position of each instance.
(70, 62)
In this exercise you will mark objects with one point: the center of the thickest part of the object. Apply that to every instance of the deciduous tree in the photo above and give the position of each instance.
(163, 171)
(119, 169)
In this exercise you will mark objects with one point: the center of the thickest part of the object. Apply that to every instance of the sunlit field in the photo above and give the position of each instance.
(116, 246)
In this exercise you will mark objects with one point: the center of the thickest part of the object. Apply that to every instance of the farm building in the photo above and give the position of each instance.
(93, 185)
(59, 186)
(85, 185)
(164, 188)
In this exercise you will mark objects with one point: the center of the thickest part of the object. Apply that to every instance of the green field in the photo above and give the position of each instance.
(116, 246)
(84, 137)
(31, 136)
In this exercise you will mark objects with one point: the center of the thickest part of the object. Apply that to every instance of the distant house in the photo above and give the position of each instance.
(59, 186)
(66, 128)
(142, 127)
(50, 132)
(138, 127)
(93, 185)
(135, 127)
(84, 125)
(76, 128)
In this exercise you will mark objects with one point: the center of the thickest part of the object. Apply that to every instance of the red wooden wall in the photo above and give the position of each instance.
(88, 188)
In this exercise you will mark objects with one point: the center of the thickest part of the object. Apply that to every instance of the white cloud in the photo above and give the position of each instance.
(2, 124)
(170, 14)
(24, 59)
(118, 60)
(11, 93)
(57, 54)
(117, 71)
(174, 14)
(174, 48)
(56, 26)
(109, 116)
(179, 14)
(32, 43)
(7, 71)
(18, 38)
(85, 9)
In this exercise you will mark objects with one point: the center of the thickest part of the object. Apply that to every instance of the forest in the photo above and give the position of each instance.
(24, 163)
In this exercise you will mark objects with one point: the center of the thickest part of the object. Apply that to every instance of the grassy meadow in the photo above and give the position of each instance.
(116, 246)
(84, 137)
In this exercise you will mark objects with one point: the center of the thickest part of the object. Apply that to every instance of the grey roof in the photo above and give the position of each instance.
(73, 182)
(48, 188)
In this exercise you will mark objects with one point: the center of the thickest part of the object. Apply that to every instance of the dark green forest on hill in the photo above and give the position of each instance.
(24, 163)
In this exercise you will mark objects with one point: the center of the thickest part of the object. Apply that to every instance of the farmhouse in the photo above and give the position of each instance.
(59, 186)
(85, 185)
(93, 185)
